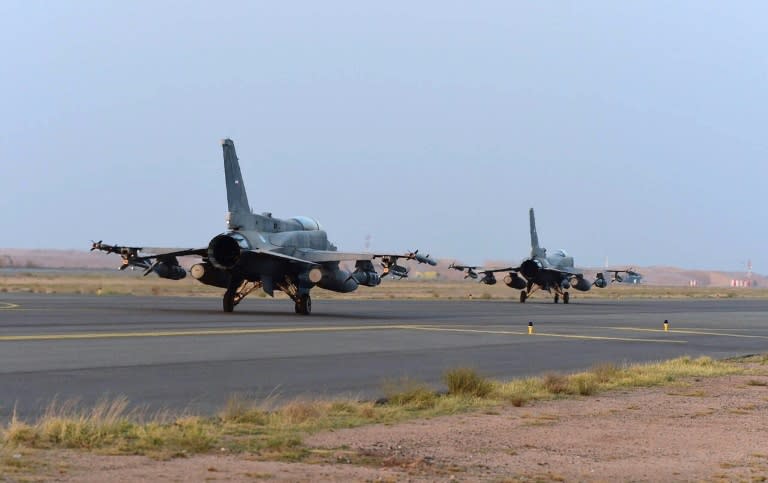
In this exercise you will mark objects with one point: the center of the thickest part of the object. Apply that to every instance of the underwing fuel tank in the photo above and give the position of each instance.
(488, 279)
(207, 274)
(338, 281)
(580, 283)
(169, 270)
(600, 281)
(515, 281)
(365, 274)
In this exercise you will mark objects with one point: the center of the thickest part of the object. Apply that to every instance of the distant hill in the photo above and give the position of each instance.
(655, 275)
(20, 258)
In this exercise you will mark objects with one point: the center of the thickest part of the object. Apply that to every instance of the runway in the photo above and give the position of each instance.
(184, 353)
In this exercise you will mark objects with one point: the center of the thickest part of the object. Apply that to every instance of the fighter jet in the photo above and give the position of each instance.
(631, 276)
(259, 251)
(554, 273)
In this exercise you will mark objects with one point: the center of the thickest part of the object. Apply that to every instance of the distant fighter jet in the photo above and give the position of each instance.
(259, 251)
(551, 273)
(631, 276)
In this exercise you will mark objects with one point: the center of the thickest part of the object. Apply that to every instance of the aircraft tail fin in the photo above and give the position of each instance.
(237, 199)
(536, 250)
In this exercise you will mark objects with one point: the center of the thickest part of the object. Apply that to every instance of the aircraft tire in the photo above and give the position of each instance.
(305, 304)
(566, 297)
(523, 296)
(228, 303)
(557, 298)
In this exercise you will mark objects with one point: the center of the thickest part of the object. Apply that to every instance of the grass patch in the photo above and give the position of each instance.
(276, 432)
(408, 393)
(605, 377)
(467, 382)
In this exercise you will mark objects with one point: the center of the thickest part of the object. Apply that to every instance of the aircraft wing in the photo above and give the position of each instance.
(325, 256)
(479, 269)
(496, 270)
(461, 268)
(141, 257)
(570, 273)
(472, 271)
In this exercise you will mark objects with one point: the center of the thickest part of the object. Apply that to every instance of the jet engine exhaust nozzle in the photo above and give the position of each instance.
(223, 252)
(530, 268)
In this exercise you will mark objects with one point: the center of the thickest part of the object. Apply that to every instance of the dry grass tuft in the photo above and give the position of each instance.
(467, 382)
(240, 410)
(556, 383)
(408, 393)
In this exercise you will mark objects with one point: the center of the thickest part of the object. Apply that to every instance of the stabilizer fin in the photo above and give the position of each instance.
(237, 199)
(536, 250)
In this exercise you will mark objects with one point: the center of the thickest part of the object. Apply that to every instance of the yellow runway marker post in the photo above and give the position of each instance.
(666, 326)
(530, 328)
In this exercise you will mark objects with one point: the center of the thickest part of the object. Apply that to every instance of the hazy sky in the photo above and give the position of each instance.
(637, 130)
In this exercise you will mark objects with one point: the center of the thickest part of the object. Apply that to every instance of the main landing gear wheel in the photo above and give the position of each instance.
(566, 297)
(304, 305)
(523, 296)
(229, 302)
(557, 298)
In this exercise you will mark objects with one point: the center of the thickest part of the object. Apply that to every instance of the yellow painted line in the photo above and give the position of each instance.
(8, 306)
(685, 331)
(182, 333)
(294, 330)
(544, 334)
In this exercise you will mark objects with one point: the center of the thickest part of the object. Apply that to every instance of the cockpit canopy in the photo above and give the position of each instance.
(561, 253)
(307, 223)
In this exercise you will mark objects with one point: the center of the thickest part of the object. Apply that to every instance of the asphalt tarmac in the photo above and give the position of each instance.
(185, 354)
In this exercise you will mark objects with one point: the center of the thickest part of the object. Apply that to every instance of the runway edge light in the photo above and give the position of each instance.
(530, 328)
(666, 325)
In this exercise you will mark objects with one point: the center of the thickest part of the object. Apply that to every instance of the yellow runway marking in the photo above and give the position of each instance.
(687, 331)
(295, 330)
(544, 334)
(8, 306)
(182, 333)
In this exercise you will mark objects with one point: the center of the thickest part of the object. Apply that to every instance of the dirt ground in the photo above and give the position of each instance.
(708, 430)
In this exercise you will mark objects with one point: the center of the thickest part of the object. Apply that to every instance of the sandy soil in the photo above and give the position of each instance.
(710, 430)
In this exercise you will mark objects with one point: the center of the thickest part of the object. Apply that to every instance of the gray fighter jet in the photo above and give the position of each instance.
(554, 273)
(259, 251)
(630, 276)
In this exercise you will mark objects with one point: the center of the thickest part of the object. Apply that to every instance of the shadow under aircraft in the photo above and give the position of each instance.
(553, 273)
(259, 251)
